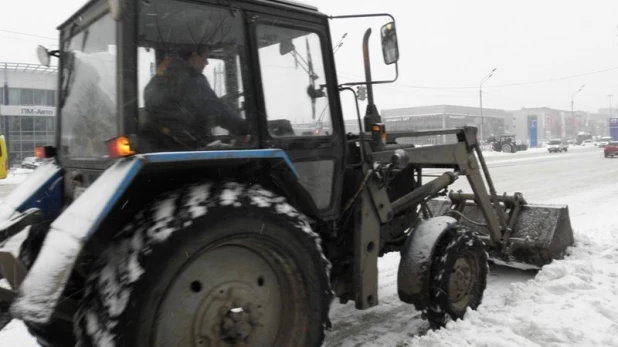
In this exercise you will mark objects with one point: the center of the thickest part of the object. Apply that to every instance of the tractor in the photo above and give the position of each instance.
(135, 237)
(507, 144)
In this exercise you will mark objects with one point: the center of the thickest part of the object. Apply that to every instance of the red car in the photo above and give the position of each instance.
(611, 149)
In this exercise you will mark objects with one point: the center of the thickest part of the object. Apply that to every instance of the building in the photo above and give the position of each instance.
(27, 107)
(493, 121)
(541, 124)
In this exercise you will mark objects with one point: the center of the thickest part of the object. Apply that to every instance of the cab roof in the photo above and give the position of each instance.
(290, 4)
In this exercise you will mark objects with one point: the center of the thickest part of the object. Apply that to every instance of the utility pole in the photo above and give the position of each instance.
(610, 104)
(572, 103)
(481, 100)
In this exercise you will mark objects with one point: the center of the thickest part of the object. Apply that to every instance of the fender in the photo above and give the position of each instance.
(41, 190)
(415, 263)
(41, 290)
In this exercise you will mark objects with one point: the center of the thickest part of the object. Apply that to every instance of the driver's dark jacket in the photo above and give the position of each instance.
(181, 109)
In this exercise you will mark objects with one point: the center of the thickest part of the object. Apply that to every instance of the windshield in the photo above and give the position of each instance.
(192, 77)
(554, 142)
(88, 95)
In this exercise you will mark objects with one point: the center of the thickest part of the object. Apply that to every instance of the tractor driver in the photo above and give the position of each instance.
(182, 108)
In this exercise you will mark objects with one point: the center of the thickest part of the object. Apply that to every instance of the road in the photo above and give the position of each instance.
(540, 176)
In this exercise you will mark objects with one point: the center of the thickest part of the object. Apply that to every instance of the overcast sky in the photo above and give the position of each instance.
(447, 47)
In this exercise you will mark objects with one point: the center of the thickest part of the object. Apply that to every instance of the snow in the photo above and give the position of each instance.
(571, 302)
(15, 176)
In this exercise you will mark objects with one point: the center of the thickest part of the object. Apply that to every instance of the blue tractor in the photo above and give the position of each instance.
(201, 210)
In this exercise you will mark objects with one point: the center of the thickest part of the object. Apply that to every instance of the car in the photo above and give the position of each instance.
(604, 141)
(31, 163)
(557, 146)
(588, 143)
(611, 149)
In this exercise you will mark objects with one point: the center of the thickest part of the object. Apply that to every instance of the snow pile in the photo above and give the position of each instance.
(16, 176)
(573, 302)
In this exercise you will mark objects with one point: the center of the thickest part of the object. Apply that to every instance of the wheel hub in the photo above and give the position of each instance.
(236, 325)
(462, 281)
(238, 315)
(228, 296)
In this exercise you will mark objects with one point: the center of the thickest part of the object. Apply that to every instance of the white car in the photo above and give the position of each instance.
(557, 146)
(31, 163)
(604, 141)
(588, 143)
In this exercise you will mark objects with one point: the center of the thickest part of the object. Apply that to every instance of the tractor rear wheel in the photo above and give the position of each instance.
(458, 276)
(227, 266)
(506, 148)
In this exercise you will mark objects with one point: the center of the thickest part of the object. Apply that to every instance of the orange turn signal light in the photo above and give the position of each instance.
(119, 147)
(39, 152)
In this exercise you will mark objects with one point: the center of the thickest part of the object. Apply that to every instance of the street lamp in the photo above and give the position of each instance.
(481, 99)
(610, 104)
(572, 103)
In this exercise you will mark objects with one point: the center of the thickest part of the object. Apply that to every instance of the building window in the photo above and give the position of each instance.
(14, 96)
(39, 97)
(27, 97)
(27, 124)
(51, 98)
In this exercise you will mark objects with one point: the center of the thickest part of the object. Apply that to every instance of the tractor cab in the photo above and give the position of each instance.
(164, 76)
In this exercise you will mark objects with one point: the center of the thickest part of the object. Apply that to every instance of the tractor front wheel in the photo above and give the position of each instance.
(458, 276)
(210, 266)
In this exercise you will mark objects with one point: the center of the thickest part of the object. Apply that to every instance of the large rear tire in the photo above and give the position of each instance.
(458, 276)
(210, 266)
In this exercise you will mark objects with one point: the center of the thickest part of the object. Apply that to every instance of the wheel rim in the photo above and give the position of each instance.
(506, 148)
(231, 295)
(462, 281)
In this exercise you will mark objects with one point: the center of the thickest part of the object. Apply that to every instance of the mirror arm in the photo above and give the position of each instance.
(374, 82)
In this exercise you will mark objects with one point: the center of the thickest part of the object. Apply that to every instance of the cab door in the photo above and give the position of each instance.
(300, 102)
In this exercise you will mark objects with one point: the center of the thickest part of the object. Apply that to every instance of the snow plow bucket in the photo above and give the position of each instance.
(532, 235)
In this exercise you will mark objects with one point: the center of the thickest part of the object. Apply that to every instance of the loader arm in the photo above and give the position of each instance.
(466, 159)
(514, 231)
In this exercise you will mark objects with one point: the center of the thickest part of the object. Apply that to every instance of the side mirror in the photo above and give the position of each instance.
(286, 46)
(390, 47)
(43, 55)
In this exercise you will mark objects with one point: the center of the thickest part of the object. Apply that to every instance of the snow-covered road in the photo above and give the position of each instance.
(569, 303)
